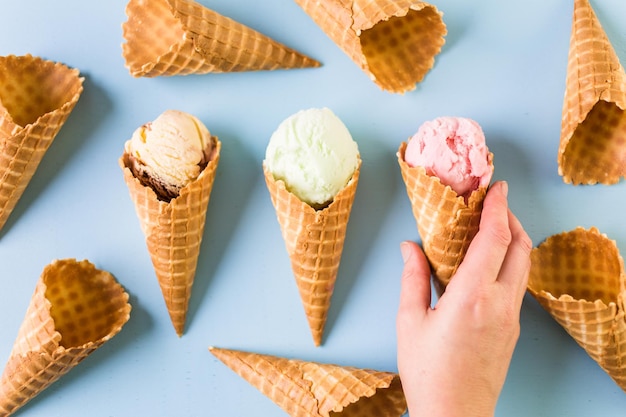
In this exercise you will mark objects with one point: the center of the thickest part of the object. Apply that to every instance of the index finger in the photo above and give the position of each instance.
(516, 265)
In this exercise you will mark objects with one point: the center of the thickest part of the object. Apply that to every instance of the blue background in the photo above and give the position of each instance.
(503, 64)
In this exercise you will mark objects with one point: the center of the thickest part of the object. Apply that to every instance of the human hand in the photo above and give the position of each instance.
(453, 358)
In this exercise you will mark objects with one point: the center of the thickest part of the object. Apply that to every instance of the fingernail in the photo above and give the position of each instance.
(405, 250)
(505, 188)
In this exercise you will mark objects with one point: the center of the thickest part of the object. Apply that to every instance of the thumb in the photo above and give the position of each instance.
(415, 294)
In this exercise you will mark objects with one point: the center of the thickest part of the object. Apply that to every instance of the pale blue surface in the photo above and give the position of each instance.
(503, 65)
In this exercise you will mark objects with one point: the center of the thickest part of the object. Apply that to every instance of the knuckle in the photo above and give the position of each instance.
(525, 244)
(501, 236)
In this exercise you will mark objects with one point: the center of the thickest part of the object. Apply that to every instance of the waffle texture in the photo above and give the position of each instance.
(445, 222)
(36, 97)
(593, 130)
(578, 277)
(180, 37)
(314, 241)
(310, 389)
(393, 41)
(173, 232)
(74, 310)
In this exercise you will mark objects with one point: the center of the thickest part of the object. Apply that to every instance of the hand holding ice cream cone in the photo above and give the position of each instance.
(453, 357)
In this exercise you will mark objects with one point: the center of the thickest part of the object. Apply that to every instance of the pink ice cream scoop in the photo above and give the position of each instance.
(454, 150)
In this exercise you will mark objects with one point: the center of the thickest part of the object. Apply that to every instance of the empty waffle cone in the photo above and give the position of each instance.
(307, 389)
(173, 232)
(593, 130)
(445, 222)
(314, 241)
(393, 41)
(180, 37)
(36, 97)
(578, 277)
(74, 310)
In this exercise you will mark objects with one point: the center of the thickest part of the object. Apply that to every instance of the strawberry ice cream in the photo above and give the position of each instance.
(454, 150)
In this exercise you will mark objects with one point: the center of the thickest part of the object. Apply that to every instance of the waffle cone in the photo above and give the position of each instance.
(593, 129)
(314, 241)
(445, 222)
(306, 389)
(578, 277)
(180, 37)
(36, 97)
(74, 310)
(393, 42)
(173, 233)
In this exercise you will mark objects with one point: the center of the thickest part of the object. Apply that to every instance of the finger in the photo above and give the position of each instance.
(485, 254)
(516, 265)
(415, 293)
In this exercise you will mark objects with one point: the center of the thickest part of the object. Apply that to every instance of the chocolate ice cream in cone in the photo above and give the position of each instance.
(393, 41)
(310, 389)
(172, 214)
(36, 97)
(180, 37)
(593, 129)
(578, 277)
(74, 310)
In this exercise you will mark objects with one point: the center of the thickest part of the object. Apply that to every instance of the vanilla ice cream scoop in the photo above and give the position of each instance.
(313, 152)
(169, 152)
(454, 150)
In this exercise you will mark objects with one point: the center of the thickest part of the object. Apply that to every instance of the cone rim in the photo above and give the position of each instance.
(568, 298)
(69, 72)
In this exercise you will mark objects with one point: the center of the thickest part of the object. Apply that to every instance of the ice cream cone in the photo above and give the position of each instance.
(578, 277)
(306, 389)
(393, 42)
(314, 241)
(173, 232)
(74, 310)
(593, 129)
(180, 37)
(36, 97)
(445, 222)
